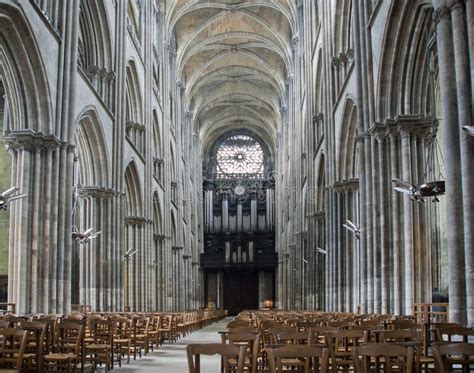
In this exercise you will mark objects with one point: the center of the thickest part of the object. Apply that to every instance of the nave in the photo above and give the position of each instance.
(171, 358)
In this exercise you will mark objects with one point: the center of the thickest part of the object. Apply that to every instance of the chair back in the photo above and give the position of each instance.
(70, 336)
(297, 338)
(12, 348)
(194, 352)
(385, 357)
(311, 358)
(450, 354)
(250, 340)
(453, 334)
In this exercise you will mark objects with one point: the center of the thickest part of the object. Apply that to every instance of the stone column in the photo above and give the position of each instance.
(454, 191)
(465, 111)
(396, 239)
(384, 226)
(409, 290)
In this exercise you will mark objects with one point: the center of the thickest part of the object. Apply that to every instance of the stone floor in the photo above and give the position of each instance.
(171, 358)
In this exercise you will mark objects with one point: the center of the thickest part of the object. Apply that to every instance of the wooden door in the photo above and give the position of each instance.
(240, 291)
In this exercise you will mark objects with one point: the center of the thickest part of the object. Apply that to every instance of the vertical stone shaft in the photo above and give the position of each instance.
(454, 203)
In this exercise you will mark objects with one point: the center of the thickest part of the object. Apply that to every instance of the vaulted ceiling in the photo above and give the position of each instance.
(233, 58)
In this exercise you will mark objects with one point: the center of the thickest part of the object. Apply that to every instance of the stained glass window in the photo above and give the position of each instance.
(238, 155)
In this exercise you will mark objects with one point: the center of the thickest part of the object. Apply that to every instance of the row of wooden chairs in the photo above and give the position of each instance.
(345, 340)
(85, 342)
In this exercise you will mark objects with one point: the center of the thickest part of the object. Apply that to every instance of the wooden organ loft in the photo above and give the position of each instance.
(239, 256)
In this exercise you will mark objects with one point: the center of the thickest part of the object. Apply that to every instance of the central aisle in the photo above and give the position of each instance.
(171, 358)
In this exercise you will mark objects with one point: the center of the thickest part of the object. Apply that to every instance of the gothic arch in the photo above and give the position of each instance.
(343, 26)
(95, 46)
(92, 150)
(133, 95)
(404, 68)
(157, 215)
(133, 194)
(174, 230)
(22, 74)
(320, 184)
(157, 143)
(348, 143)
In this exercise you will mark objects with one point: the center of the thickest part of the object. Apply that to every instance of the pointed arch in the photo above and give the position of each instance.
(404, 68)
(92, 150)
(157, 215)
(133, 194)
(95, 46)
(133, 95)
(174, 231)
(23, 75)
(348, 142)
(320, 184)
(157, 143)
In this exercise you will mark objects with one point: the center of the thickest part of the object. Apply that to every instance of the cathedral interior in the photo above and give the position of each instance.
(186, 155)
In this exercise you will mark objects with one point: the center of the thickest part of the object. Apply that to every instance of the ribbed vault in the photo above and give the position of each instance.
(233, 59)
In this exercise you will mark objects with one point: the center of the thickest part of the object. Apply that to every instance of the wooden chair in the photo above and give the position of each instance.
(154, 334)
(340, 345)
(251, 341)
(271, 335)
(67, 348)
(140, 336)
(194, 352)
(409, 338)
(100, 351)
(12, 345)
(292, 358)
(297, 338)
(403, 324)
(382, 357)
(453, 334)
(34, 346)
(447, 356)
(168, 328)
(318, 335)
(122, 339)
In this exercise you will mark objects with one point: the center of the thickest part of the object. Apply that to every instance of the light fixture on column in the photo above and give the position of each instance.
(322, 251)
(469, 130)
(350, 226)
(9, 196)
(131, 252)
(86, 236)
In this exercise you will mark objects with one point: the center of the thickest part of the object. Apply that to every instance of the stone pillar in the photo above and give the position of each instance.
(465, 111)
(409, 290)
(396, 238)
(384, 226)
(452, 154)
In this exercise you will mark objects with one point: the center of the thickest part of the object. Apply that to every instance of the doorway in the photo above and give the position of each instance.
(240, 291)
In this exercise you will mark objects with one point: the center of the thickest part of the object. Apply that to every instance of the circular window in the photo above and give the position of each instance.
(239, 155)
